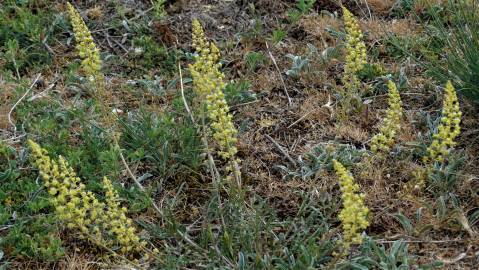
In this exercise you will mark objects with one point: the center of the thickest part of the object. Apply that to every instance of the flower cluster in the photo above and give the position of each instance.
(448, 129)
(383, 141)
(353, 216)
(208, 84)
(104, 224)
(356, 52)
(87, 50)
(118, 223)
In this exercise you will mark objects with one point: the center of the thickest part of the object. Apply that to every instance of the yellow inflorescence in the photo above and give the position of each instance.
(354, 214)
(87, 50)
(102, 223)
(208, 83)
(356, 52)
(118, 223)
(448, 129)
(383, 141)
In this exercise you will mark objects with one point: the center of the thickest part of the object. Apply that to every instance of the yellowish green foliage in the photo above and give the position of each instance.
(87, 50)
(384, 140)
(105, 224)
(208, 84)
(354, 214)
(448, 129)
(355, 53)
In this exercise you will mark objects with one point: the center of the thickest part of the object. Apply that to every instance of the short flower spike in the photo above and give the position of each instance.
(355, 51)
(448, 129)
(384, 140)
(87, 50)
(354, 214)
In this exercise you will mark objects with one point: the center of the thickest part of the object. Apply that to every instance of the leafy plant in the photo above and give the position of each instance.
(298, 63)
(302, 7)
(321, 159)
(14, 55)
(278, 35)
(378, 256)
(159, 8)
(238, 92)
(166, 143)
(443, 178)
(397, 257)
(254, 60)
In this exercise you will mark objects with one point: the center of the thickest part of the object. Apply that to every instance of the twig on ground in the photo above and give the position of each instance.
(183, 94)
(18, 102)
(280, 75)
(280, 148)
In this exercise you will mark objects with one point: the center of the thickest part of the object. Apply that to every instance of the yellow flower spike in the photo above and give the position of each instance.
(124, 232)
(198, 37)
(208, 84)
(87, 50)
(443, 140)
(354, 214)
(384, 140)
(448, 129)
(355, 58)
(104, 224)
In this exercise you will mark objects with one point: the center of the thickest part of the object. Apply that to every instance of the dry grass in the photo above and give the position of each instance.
(382, 7)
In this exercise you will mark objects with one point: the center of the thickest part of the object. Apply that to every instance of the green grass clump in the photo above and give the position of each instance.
(25, 36)
(449, 47)
(149, 54)
(32, 232)
(167, 142)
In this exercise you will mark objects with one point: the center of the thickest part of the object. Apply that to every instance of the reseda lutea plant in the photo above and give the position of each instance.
(448, 129)
(104, 224)
(443, 140)
(208, 85)
(356, 58)
(86, 48)
(354, 214)
(383, 141)
(91, 64)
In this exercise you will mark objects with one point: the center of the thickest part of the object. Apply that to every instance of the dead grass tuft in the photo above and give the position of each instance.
(352, 133)
(381, 7)
(378, 29)
(316, 25)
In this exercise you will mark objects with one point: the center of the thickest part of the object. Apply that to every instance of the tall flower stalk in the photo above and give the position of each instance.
(86, 48)
(356, 58)
(208, 83)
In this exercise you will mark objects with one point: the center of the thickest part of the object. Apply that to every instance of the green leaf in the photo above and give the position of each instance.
(405, 222)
